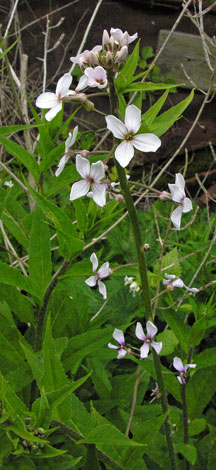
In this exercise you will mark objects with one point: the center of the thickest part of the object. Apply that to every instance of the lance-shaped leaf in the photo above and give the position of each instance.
(22, 155)
(40, 266)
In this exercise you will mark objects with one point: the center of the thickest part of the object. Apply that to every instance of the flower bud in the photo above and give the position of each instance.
(109, 59)
(105, 38)
(112, 43)
(122, 54)
(124, 39)
(93, 58)
(164, 195)
(89, 105)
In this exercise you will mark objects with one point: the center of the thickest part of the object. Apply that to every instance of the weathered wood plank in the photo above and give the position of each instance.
(185, 49)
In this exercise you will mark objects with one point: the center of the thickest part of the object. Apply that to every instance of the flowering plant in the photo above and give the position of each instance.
(69, 397)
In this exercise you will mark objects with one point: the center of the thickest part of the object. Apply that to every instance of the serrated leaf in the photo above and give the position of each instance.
(169, 341)
(180, 329)
(108, 434)
(200, 389)
(34, 363)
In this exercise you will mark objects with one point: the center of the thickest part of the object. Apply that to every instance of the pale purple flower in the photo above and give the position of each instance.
(87, 57)
(118, 335)
(178, 195)
(178, 365)
(103, 272)
(148, 339)
(172, 281)
(91, 178)
(96, 77)
(128, 133)
(54, 100)
(68, 144)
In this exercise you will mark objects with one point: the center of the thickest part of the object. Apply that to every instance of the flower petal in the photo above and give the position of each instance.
(46, 100)
(112, 346)
(157, 346)
(132, 118)
(83, 166)
(118, 335)
(91, 281)
(176, 217)
(187, 205)
(139, 332)
(97, 171)
(178, 283)
(179, 181)
(61, 165)
(181, 381)
(102, 289)
(99, 194)
(144, 350)
(72, 138)
(53, 111)
(192, 366)
(124, 153)
(79, 189)
(177, 364)
(121, 353)
(146, 142)
(116, 126)
(177, 193)
(104, 270)
(63, 85)
(83, 83)
(151, 329)
(94, 261)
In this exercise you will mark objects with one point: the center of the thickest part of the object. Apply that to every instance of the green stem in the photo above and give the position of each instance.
(185, 420)
(143, 274)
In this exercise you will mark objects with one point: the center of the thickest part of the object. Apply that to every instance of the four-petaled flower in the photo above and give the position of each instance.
(54, 100)
(91, 177)
(118, 335)
(96, 77)
(68, 144)
(148, 339)
(172, 281)
(178, 195)
(128, 133)
(103, 272)
(178, 365)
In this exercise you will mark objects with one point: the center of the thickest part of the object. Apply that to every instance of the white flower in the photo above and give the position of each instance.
(172, 281)
(9, 184)
(103, 272)
(118, 335)
(91, 177)
(179, 196)
(122, 38)
(128, 280)
(68, 144)
(54, 100)
(134, 288)
(148, 339)
(87, 57)
(128, 133)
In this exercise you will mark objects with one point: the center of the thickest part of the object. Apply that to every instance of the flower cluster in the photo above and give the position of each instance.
(147, 341)
(133, 286)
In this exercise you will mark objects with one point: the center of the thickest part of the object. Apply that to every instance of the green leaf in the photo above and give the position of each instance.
(18, 303)
(188, 451)
(149, 116)
(198, 331)
(81, 215)
(91, 461)
(22, 155)
(196, 426)
(13, 276)
(126, 74)
(169, 341)
(168, 259)
(40, 266)
(180, 329)
(5, 130)
(200, 389)
(50, 159)
(148, 86)
(16, 230)
(108, 434)
(34, 363)
(163, 122)
(54, 376)
(206, 358)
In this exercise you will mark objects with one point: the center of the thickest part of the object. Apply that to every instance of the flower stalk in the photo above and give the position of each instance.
(145, 292)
